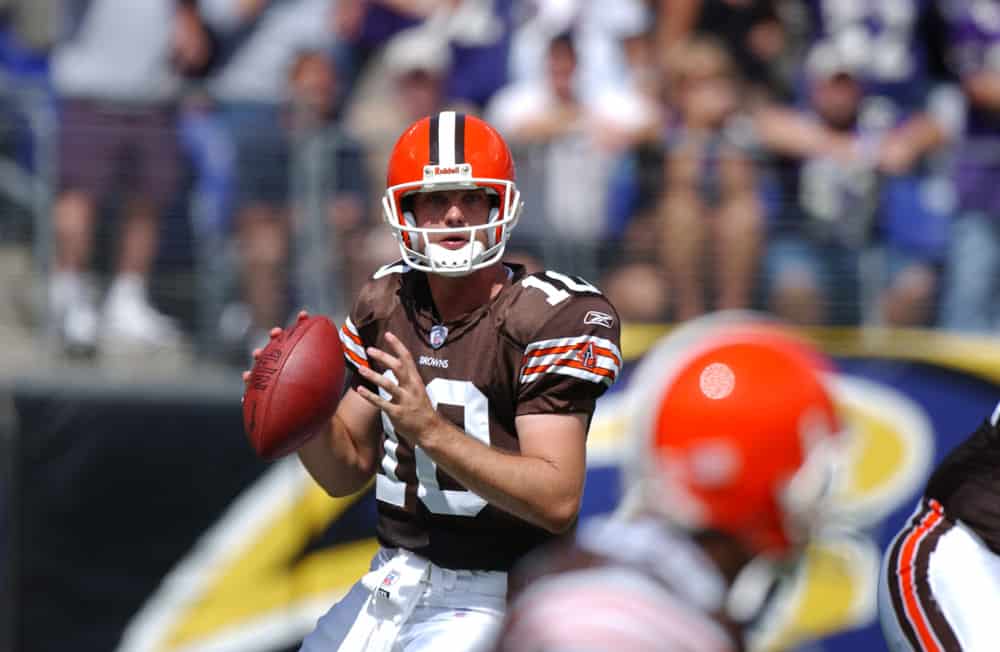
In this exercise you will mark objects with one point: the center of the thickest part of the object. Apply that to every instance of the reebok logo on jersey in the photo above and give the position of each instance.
(429, 361)
(599, 318)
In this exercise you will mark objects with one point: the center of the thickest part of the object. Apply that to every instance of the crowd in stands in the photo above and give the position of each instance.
(210, 166)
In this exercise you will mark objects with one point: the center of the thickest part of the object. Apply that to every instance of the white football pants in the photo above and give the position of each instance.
(408, 604)
(940, 587)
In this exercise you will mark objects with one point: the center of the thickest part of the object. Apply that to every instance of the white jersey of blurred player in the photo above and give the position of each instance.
(940, 585)
(633, 585)
(734, 440)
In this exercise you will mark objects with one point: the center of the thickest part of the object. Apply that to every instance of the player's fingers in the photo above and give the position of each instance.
(400, 350)
(374, 399)
(397, 346)
(378, 379)
(387, 361)
(256, 353)
(246, 377)
(303, 314)
(275, 332)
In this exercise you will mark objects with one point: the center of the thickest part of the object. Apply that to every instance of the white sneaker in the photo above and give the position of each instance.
(129, 318)
(73, 312)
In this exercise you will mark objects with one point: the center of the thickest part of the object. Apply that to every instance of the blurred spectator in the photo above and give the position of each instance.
(542, 109)
(827, 201)
(330, 191)
(480, 34)
(550, 107)
(114, 75)
(614, 44)
(752, 31)
(415, 65)
(712, 220)
(911, 111)
(27, 120)
(630, 103)
(305, 202)
(638, 291)
(971, 300)
(23, 106)
(633, 277)
(258, 41)
(30, 29)
(363, 27)
(538, 22)
(574, 146)
(477, 34)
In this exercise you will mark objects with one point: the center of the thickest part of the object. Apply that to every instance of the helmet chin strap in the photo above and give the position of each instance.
(454, 262)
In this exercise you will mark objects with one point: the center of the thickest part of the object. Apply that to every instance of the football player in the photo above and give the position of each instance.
(734, 438)
(470, 390)
(940, 585)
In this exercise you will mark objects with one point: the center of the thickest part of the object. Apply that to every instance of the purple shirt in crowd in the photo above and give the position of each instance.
(975, 48)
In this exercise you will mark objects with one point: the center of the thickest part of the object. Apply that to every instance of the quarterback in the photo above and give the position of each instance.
(470, 390)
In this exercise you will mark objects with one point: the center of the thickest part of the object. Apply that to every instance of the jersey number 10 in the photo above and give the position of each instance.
(452, 502)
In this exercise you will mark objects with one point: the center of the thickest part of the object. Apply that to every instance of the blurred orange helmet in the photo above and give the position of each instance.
(734, 431)
(451, 151)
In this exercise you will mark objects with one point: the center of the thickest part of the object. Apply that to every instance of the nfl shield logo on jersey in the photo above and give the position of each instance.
(438, 335)
(387, 582)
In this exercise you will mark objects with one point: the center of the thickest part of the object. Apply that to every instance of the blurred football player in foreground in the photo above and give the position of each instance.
(734, 440)
(940, 585)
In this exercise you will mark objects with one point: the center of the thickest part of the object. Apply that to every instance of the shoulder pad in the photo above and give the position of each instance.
(378, 297)
(398, 267)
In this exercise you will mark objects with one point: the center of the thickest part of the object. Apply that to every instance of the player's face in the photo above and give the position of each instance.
(452, 209)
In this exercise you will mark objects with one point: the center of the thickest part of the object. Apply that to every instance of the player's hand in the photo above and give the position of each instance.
(275, 332)
(408, 407)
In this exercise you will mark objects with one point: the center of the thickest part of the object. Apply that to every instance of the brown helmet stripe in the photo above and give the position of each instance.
(447, 138)
(460, 138)
(433, 134)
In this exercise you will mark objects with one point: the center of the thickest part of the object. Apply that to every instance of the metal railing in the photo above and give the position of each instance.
(566, 186)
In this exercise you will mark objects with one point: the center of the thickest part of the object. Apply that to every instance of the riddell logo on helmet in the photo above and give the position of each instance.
(434, 171)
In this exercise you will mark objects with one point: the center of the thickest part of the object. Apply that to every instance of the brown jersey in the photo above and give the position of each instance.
(967, 483)
(547, 343)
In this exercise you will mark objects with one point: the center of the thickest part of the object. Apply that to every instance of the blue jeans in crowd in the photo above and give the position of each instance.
(971, 299)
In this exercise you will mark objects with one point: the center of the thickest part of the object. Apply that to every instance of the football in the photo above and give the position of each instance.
(294, 386)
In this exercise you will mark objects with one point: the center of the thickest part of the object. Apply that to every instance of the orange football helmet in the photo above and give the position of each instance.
(734, 431)
(451, 151)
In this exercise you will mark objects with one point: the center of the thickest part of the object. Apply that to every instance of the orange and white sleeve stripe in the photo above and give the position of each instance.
(908, 568)
(586, 357)
(354, 349)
